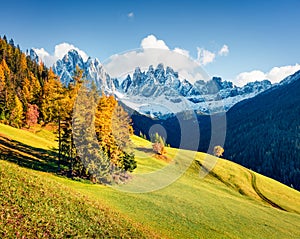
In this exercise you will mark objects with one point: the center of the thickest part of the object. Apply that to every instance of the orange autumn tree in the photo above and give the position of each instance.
(113, 129)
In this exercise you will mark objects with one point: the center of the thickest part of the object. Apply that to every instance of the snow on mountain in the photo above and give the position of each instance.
(159, 91)
(290, 78)
(92, 71)
(33, 56)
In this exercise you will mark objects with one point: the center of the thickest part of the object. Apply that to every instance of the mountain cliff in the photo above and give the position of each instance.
(92, 71)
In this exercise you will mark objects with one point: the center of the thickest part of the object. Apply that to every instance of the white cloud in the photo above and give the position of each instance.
(182, 51)
(224, 50)
(152, 52)
(205, 56)
(63, 48)
(275, 75)
(152, 42)
(245, 77)
(59, 51)
(120, 65)
(45, 56)
(42, 53)
(130, 15)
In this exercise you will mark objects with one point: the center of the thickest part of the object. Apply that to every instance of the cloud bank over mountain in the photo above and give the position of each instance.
(275, 75)
(153, 51)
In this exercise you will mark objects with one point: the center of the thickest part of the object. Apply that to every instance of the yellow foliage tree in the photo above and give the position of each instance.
(16, 115)
(52, 96)
(113, 129)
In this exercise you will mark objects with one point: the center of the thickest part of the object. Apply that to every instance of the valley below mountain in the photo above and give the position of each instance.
(158, 96)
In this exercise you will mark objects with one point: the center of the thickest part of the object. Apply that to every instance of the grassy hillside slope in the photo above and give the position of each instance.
(222, 205)
(35, 205)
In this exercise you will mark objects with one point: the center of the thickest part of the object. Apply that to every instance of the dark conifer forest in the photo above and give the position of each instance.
(263, 133)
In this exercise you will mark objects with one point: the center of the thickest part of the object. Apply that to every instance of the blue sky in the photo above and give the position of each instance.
(259, 35)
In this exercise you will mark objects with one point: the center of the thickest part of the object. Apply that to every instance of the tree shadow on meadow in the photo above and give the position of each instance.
(145, 150)
(28, 156)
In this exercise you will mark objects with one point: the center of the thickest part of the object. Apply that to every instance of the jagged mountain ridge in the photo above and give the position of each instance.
(92, 70)
(159, 91)
(209, 97)
(33, 55)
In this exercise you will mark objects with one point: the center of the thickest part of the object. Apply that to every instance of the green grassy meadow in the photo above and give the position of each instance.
(224, 204)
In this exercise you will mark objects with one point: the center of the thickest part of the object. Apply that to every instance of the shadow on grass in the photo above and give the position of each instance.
(145, 150)
(28, 156)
